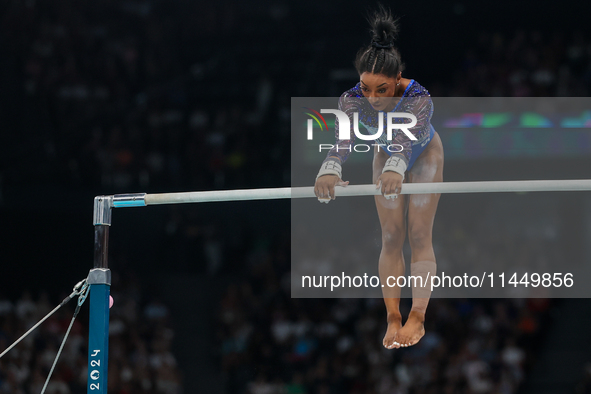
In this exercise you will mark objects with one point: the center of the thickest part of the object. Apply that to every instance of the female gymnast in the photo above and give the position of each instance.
(382, 89)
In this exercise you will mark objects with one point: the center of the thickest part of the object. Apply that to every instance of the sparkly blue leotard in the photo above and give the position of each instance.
(415, 100)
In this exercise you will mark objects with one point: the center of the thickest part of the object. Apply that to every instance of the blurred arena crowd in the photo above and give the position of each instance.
(119, 107)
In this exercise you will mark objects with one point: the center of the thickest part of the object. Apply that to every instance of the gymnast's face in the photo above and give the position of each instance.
(380, 90)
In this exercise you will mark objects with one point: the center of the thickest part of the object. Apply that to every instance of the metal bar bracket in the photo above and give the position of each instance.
(102, 210)
(129, 200)
(99, 276)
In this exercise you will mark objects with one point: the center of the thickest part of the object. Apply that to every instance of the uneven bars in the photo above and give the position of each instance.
(142, 199)
(99, 278)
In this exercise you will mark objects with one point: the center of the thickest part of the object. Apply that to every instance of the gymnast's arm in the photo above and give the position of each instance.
(330, 174)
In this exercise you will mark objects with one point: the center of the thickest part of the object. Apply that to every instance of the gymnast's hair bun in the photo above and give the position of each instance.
(384, 28)
(381, 56)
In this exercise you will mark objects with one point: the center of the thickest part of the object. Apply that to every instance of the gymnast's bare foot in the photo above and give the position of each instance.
(412, 331)
(394, 324)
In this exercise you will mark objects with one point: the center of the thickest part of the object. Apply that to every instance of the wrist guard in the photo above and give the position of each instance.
(396, 164)
(330, 167)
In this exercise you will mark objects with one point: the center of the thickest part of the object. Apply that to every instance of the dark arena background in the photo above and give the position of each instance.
(105, 97)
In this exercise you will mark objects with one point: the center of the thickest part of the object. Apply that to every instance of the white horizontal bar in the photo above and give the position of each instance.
(368, 190)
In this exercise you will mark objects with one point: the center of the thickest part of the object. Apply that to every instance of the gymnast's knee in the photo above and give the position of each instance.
(420, 237)
(392, 238)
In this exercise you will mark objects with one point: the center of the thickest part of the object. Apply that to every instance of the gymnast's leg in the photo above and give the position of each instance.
(421, 213)
(391, 261)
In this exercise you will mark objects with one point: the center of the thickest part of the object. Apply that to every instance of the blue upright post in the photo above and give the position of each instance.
(98, 331)
(99, 280)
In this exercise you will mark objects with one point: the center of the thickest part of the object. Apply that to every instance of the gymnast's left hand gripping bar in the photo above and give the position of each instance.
(99, 280)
